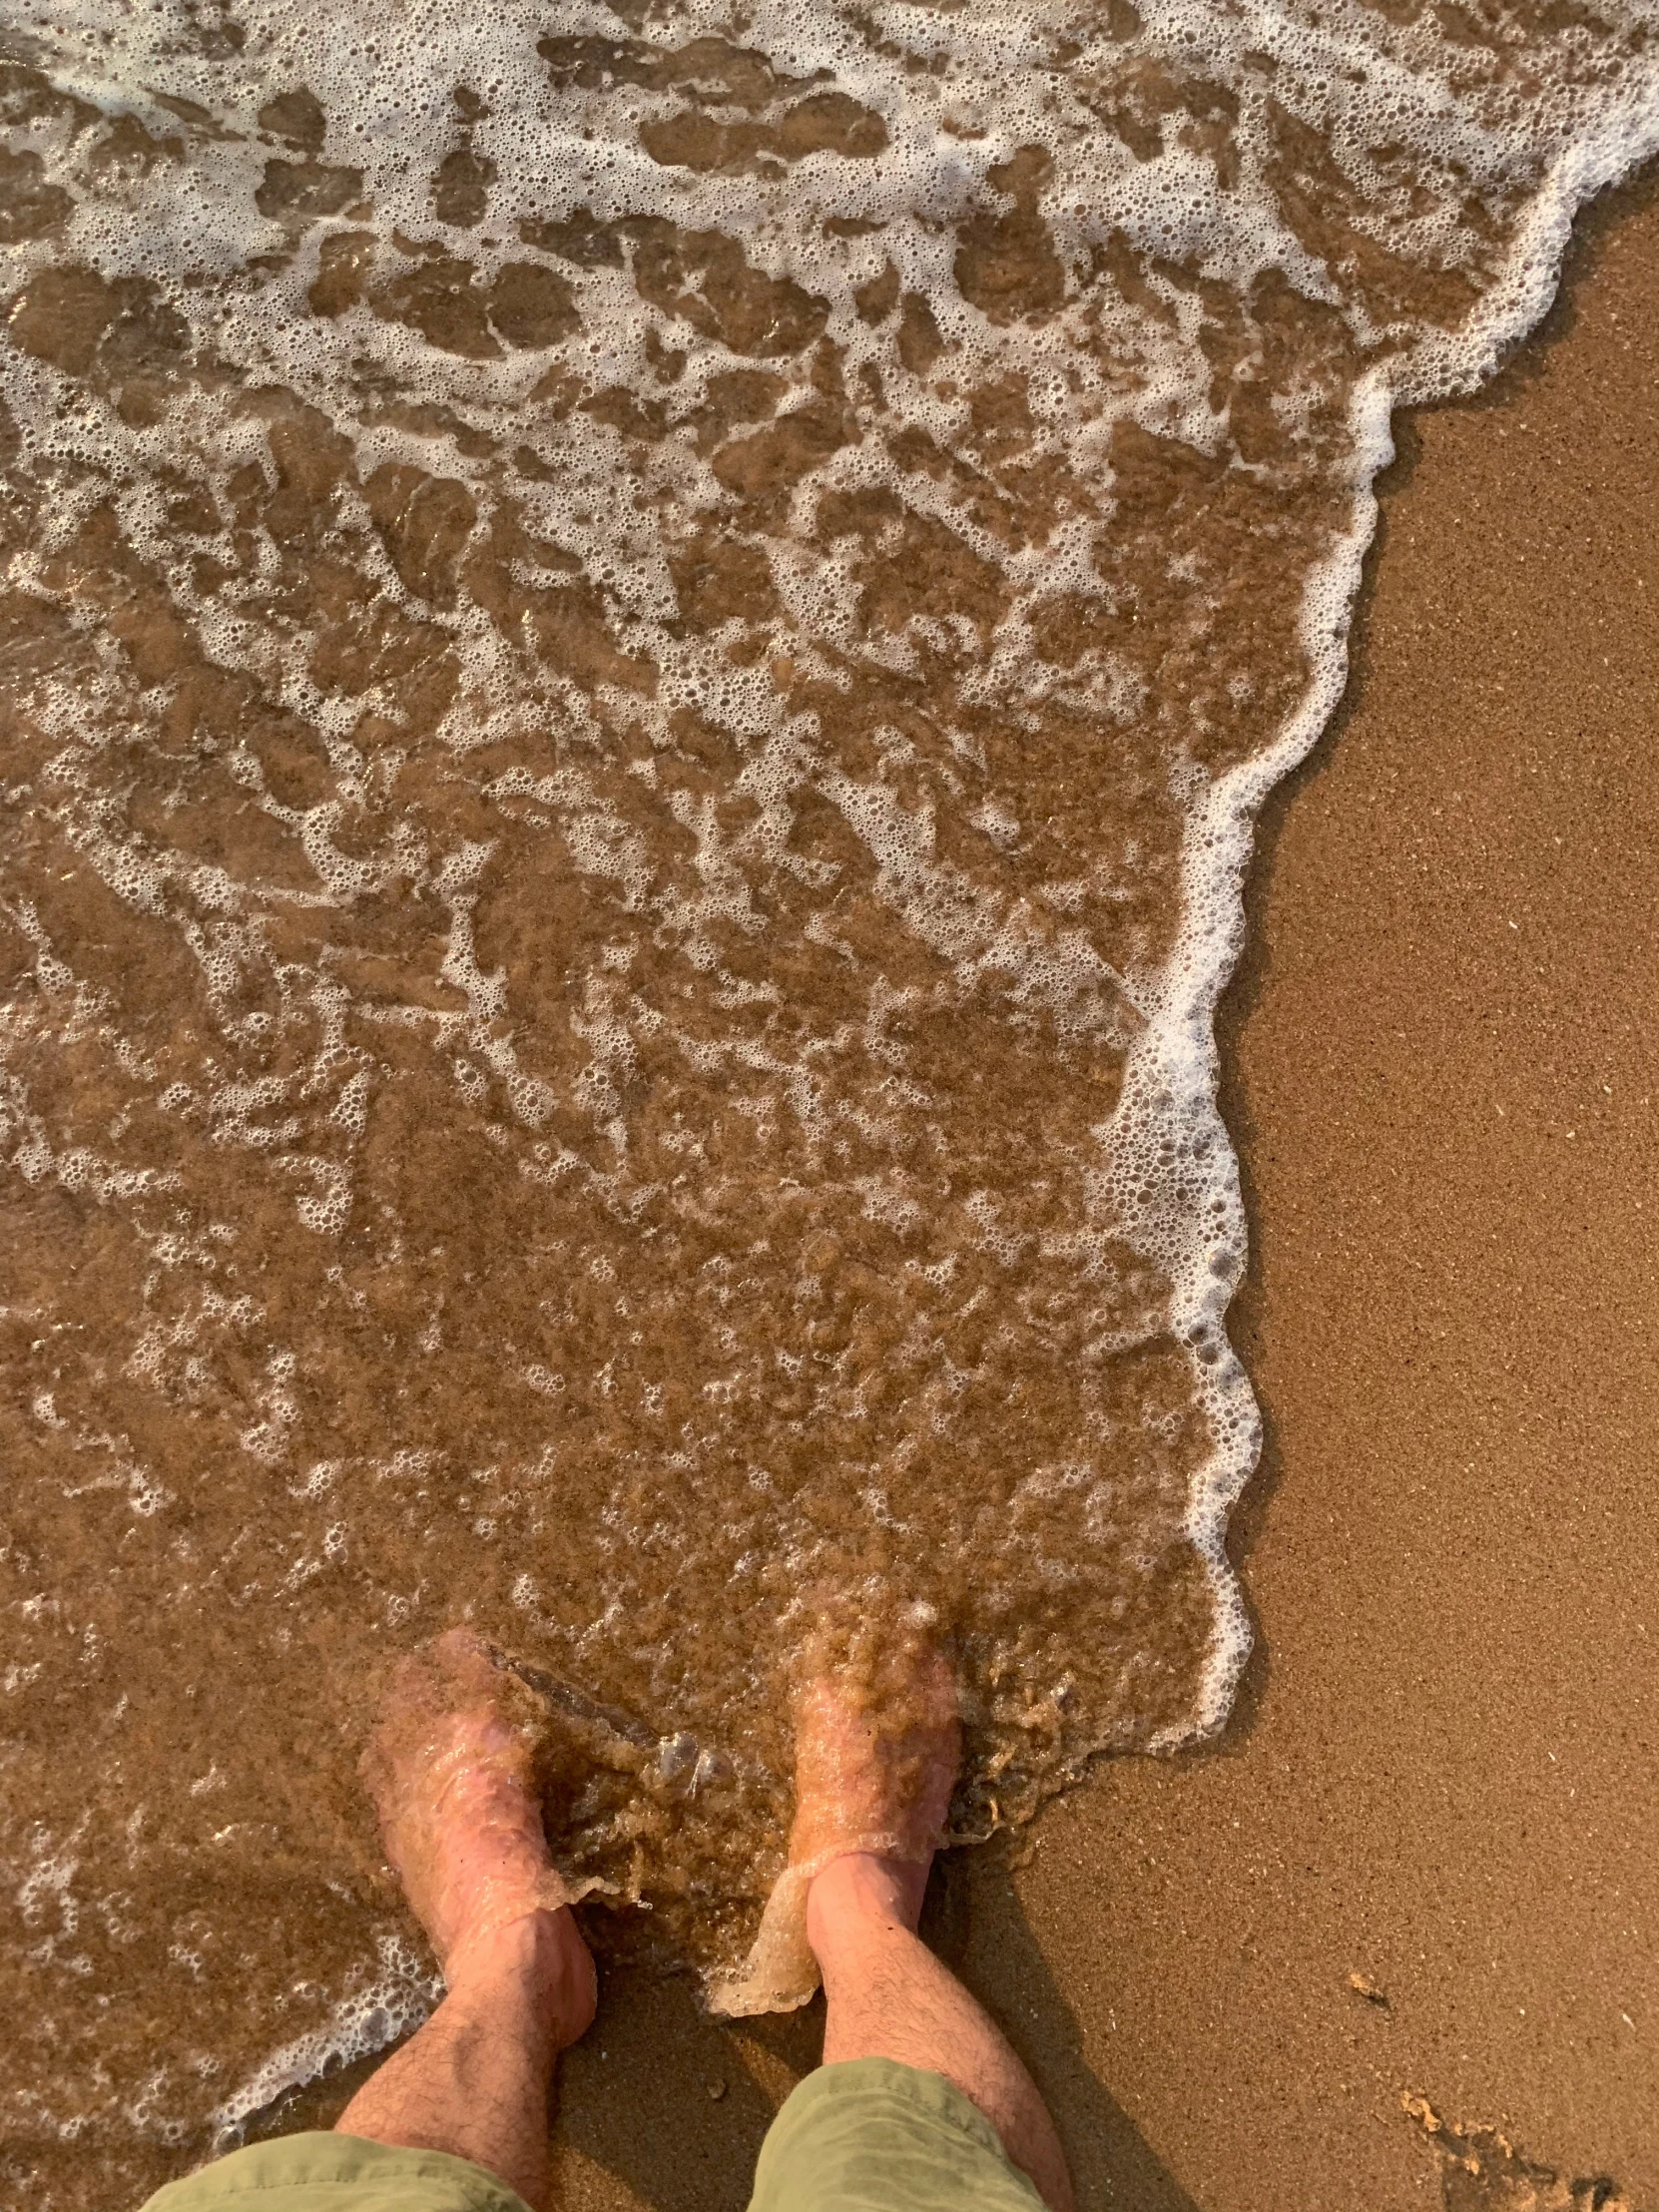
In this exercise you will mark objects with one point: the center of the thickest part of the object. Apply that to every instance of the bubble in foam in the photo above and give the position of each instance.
(386, 2005)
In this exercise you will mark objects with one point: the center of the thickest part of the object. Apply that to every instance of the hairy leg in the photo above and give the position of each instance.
(449, 1768)
(887, 1995)
(475, 2081)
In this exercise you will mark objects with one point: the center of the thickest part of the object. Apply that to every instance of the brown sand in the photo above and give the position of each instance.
(1442, 1777)
(1445, 1085)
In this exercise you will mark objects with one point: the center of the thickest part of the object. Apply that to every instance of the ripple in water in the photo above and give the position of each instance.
(639, 653)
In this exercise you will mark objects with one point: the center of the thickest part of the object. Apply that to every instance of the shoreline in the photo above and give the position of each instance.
(1172, 1946)
(1442, 1761)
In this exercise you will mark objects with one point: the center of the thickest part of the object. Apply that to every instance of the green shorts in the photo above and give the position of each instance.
(870, 2135)
(867, 2135)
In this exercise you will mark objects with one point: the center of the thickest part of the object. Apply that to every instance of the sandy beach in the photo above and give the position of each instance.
(611, 888)
(1441, 1778)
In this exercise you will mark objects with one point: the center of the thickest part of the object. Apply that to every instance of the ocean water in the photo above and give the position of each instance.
(639, 648)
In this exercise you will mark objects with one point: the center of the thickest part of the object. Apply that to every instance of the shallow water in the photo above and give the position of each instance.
(639, 649)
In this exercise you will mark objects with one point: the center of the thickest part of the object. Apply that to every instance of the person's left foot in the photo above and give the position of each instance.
(450, 1769)
(873, 1785)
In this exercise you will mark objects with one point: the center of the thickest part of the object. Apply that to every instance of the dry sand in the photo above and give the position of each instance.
(1443, 1080)
(1442, 1776)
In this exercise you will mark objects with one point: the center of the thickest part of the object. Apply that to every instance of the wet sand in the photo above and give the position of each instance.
(1447, 1778)
(1442, 1776)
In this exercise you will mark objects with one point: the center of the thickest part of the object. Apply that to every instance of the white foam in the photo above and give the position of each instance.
(386, 2003)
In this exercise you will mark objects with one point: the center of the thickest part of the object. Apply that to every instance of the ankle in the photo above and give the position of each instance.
(538, 1964)
(863, 1893)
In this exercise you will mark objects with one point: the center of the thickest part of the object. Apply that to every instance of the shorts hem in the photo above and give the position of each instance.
(326, 2171)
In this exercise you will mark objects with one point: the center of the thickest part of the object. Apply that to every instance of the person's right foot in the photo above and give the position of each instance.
(872, 1788)
(450, 1769)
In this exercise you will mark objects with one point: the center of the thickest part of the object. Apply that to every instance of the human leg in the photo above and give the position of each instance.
(450, 1774)
(458, 2119)
(476, 2080)
(889, 1998)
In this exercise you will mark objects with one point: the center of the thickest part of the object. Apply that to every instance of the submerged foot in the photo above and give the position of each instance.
(450, 1769)
(872, 1788)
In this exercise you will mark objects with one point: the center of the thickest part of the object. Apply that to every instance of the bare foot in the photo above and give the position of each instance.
(873, 1787)
(450, 1769)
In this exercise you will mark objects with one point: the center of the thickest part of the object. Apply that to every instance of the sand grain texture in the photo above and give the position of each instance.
(1443, 1080)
